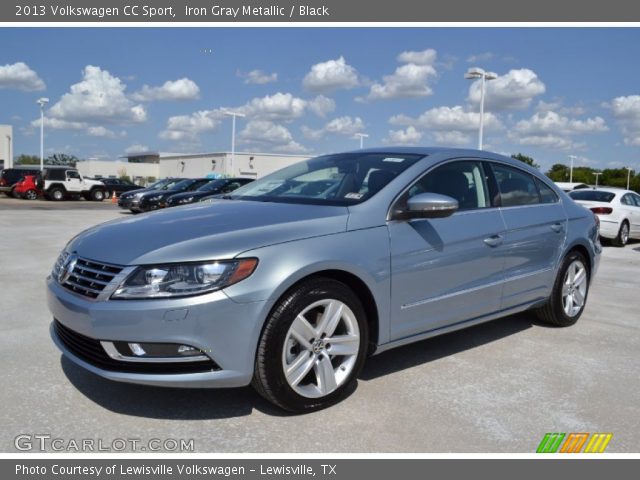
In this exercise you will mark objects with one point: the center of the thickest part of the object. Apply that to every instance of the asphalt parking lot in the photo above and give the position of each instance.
(497, 387)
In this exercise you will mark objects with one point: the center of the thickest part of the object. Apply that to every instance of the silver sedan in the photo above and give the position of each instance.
(290, 282)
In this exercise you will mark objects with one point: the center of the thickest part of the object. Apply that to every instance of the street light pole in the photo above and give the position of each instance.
(9, 158)
(362, 137)
(474, 74)
(597, 174)
(628, 177)
(233, 116)
(572, 157)
(42, 102)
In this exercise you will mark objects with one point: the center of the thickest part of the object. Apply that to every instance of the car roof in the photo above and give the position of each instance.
(619, 190)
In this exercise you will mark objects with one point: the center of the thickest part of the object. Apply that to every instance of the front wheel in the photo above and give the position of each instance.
(313, 347)
(569, 294)
(97, 195)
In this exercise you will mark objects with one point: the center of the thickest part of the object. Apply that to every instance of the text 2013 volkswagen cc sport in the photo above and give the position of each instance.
(292, 280)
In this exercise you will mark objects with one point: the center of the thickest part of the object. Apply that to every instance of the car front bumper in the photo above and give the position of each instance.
(226, 331)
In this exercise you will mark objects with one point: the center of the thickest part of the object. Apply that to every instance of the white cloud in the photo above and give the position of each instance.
(408, 136)
(57, 124)
(626, 111)
(258, 77)
(136, 148)
(19, 76)
(331, 75)
(551, 130)
(449, 118)
(513, 90)
(408, 81)
(188, 127)
(452, 138)
(280, 107)
(342, 125)
(480, 57)
(181, 89)
(275, 137)
(99, 98)
(101, 131)
(424, 57)
(322, 105)
(557, 106)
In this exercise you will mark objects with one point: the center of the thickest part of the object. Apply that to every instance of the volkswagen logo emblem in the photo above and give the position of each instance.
(67, 268)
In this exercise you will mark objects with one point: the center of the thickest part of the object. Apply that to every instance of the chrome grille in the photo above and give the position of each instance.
(86, 277)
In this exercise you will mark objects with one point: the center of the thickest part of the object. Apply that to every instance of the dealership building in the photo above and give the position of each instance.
(6, 146)
(147, 166)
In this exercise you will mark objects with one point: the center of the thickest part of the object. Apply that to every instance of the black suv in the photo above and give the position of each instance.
(118, 185)
(10, 176)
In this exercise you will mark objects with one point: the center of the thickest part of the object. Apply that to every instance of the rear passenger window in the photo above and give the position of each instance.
(547, 195)
(516, 187)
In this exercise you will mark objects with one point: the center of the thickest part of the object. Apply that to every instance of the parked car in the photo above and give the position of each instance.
(10, 176)
(213, 187)
(119, 186)
(125, 199)
(60, 183)
(290, 290)
(27, 188)
(617, 209)
(570, 186)
(153, 200)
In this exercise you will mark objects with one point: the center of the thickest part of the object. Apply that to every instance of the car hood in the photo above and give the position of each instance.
(153, 193)
(195, 194)
(132, 192)
(204, 231)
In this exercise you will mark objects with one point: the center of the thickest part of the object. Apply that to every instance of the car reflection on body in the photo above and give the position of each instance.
(291, 281)
(219, 186)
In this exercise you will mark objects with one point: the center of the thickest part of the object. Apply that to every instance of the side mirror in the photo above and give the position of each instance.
(431, 205)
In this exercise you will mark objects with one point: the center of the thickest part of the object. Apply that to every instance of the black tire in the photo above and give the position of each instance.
(56, 194)
(269, 376)
(30, 195)
(623, 235)
(553, 312)
(97, 195)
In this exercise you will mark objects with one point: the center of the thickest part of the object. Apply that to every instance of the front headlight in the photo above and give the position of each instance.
(183, 280)
(186, 200)
(155, 198)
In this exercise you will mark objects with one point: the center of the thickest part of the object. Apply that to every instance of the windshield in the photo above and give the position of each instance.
(212, 186)
(172, 184)
(342, 179)
(592, 195)
(158, 184)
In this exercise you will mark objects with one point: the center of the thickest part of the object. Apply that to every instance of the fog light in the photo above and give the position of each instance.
(137, 350)
(186, 350)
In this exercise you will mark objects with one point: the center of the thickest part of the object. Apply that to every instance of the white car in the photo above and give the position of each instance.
(617, 209)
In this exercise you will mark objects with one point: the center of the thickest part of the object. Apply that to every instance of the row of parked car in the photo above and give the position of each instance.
(172, 192)
(61, 183)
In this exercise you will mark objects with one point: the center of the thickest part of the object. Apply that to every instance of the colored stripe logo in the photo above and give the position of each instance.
(573, 443)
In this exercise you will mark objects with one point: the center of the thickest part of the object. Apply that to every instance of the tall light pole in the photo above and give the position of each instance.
(362, 137)
(628, 177)
(42, 102)
(597, 174)
(233, 116)
(9, 157)
(474, 74)
(572, 157)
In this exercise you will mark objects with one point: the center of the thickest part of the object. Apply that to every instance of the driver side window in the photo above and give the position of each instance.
(464, 181)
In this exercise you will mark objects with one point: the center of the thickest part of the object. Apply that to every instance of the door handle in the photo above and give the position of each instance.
(557, 227)
(494, 240)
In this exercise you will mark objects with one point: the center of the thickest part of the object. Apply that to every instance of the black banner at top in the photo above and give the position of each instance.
(232, 11)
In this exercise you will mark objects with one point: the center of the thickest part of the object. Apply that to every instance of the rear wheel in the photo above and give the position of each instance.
(56, 194)
(312, 347)
(30, 194)
(569, 294)
(623, 235)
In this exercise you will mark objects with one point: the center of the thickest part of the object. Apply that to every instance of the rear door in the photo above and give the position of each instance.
(446, 270)
(536, 227)
(634, 218)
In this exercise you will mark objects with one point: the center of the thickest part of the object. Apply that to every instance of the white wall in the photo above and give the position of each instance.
(102, 168)
(6, 145)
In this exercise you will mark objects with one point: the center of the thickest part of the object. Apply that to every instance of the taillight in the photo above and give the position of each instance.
(602, 210)
(3, 181)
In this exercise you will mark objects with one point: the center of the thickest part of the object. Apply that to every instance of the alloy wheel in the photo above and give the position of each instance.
(574, 288)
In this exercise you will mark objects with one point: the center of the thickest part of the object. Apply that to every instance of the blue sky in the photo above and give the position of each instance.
(561, 91)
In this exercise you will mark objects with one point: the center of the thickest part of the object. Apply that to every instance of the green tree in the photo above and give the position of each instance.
(558, 173)
(62, 159)
(27, 160)
(525, 159)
